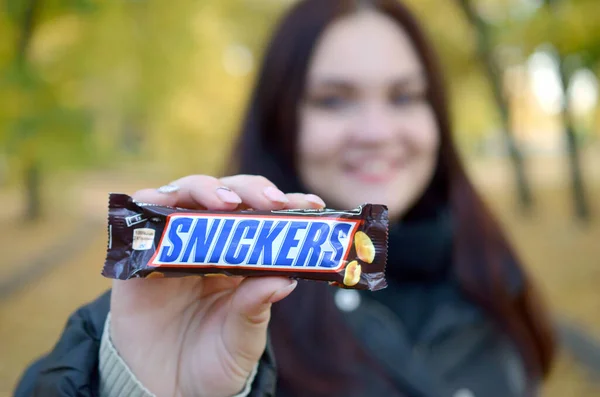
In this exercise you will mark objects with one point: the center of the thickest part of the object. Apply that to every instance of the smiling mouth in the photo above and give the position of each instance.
(375, 170)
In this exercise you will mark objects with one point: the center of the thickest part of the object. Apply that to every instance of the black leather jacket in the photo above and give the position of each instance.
(441, 345)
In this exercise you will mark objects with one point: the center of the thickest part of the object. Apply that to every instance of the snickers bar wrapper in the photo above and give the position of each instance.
(348, 249)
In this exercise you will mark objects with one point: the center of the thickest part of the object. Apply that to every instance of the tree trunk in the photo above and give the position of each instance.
(493, 73)
(33, 197)
(32, 167)
(580, 203)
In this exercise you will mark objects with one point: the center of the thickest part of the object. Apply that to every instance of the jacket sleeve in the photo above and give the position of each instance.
(72, 367)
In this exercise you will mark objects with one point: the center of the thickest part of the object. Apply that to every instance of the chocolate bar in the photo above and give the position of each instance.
(348, 249)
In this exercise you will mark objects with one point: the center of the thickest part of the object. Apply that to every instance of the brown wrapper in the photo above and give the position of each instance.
(348, 249)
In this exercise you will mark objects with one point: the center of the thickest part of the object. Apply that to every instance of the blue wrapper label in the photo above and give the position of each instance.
(276, 242)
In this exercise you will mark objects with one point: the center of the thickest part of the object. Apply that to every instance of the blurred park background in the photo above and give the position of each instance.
(100, 96)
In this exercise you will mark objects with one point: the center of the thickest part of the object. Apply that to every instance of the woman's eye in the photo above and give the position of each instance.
(330, 102)
(404, 99)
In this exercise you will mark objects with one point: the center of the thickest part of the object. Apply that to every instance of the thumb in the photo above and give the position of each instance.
(245, 330)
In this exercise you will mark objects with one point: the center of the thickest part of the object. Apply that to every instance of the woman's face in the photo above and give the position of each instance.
(367, 133)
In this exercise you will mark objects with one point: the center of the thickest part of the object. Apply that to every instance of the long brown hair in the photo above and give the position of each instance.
(484, 262)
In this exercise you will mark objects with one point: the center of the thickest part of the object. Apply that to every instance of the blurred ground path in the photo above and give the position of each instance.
(32, 318)
(50, 268)
(69, 239)
(75, 211)
(563, 257)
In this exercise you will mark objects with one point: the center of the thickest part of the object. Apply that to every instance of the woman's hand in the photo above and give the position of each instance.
(197, 336)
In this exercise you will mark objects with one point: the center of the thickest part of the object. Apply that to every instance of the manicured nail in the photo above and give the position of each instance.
(312, 198)
(275, 194)
(170, 188)
(228, 196)
(283, 292)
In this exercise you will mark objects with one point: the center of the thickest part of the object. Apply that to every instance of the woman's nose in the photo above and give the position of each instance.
(374, 123)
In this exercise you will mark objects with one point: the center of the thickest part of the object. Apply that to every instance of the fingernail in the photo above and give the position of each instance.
(170, 188)
(312, 198)
(228, 196)
(275, 194)
(283, 292)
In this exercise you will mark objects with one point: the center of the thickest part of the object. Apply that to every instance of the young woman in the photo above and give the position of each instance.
(349, 107)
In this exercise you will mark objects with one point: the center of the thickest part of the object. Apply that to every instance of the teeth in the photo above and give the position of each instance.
(375, 167)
